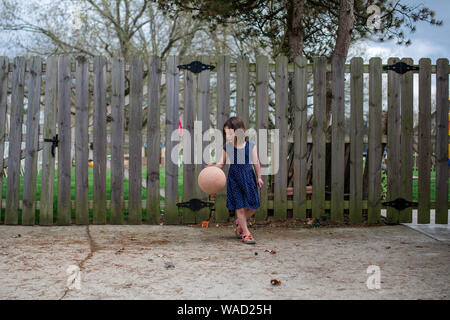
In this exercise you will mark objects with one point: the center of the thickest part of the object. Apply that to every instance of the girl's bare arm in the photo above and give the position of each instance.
(222, 161)
(256, 163)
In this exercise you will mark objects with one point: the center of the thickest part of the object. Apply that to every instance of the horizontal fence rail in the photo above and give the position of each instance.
(94, 115)
(252, 67)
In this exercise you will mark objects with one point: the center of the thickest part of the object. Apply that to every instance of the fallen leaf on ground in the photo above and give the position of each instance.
(275, 282)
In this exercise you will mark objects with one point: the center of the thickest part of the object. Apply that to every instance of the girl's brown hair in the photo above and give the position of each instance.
(234, 123)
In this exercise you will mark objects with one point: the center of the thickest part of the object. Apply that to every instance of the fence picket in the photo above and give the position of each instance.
(171, 188)
(202, 89)
(202, 108)
(64, 137)
(135, 155)
(117, 140)
(15, 141)
(393, 143)
(281, 123)
(49, 131)
(189, 180)
(31, 154)
(338, 143)
(4, 62)
(223, 113)
(442, 141)
(375, 147)
(356, 140)
(300, 133)
(424, 147)
(318, 130)
(82, 141)
(262, 123)
(153, 141)
(406, 141)
(99, 210)
(242, 90)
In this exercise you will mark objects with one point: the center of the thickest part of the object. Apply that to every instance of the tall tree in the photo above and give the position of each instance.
(308, 27)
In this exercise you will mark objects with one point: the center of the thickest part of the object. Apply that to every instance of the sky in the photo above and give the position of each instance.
(427, 42)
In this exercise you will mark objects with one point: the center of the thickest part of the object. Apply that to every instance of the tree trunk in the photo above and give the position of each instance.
(343, 40)
(345, 28)
(295, 28)
(294, 46)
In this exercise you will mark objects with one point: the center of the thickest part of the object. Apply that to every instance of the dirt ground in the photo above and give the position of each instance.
(189, 262)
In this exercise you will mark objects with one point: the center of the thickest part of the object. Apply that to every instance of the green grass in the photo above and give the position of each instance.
(415, 183)
(162, 185)
(90, 191)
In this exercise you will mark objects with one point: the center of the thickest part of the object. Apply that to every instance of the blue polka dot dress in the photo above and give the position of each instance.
(242, 188)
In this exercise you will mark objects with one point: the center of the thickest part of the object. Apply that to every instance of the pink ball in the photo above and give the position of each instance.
(211, 180)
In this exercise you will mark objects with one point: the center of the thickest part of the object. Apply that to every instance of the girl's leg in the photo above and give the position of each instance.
(249, 212)
(242, 220)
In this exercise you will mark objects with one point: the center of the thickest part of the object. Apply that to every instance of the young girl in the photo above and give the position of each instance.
(242, 183)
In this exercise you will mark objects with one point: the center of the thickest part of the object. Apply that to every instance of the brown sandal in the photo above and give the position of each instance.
(248, 239)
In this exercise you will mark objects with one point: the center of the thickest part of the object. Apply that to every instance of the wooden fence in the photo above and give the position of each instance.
(62, 86)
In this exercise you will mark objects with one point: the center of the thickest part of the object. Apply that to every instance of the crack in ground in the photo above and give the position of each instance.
(92, 249)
